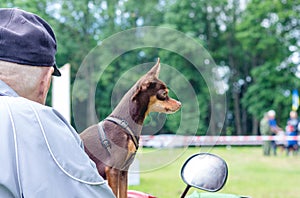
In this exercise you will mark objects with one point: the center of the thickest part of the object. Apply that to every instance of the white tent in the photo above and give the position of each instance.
(61, 92)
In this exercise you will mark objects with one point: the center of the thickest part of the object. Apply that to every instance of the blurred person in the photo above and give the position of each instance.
(292, 129)
(41, 154)
(275, 129)
(265, 130)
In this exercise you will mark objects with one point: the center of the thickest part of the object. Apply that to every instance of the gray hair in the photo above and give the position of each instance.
(23, 79)
(271, 113)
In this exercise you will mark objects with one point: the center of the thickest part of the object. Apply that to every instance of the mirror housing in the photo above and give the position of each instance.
(205, 171)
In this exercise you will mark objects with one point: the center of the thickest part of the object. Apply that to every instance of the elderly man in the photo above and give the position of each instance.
(266, 130)
(274, 128)
(41, 154)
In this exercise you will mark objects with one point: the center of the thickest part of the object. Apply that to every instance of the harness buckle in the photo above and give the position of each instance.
(106, 143)
(124, 124)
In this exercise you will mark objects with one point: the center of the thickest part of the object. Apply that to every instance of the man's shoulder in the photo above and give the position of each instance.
(60, 149)
(264, 122)
(22, 103)
(19, 105)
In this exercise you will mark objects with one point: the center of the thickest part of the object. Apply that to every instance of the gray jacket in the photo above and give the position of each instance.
(41, 155)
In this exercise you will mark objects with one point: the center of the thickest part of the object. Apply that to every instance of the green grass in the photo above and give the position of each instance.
(250, 173)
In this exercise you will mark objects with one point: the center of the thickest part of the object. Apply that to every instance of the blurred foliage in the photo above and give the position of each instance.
(252, 43)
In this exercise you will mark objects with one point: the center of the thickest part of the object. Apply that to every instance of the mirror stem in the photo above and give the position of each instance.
(185, 191)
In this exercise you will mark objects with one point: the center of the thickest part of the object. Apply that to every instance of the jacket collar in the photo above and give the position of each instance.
(5, 90)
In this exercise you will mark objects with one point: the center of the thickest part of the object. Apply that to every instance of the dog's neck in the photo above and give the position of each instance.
(131, 111)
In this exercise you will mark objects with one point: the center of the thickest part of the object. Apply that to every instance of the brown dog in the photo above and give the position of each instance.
(113, 143)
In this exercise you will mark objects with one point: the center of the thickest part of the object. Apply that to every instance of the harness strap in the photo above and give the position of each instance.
(122, 123)
(104, 141)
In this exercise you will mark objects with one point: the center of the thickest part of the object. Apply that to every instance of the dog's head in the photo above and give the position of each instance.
(154, 93)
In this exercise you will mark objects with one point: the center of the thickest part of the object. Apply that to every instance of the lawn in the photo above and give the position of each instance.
(250, 173)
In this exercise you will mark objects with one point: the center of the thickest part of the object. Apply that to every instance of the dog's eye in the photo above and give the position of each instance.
(161, 95)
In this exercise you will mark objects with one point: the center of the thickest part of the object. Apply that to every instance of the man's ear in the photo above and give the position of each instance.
(45, 83)
(154, 71)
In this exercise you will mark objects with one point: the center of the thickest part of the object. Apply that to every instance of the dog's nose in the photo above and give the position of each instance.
(179, 104)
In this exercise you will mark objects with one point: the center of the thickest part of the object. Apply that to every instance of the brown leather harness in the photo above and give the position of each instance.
(123, 124)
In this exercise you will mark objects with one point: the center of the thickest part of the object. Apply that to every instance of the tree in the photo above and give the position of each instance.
(202, 21)
(246, 42)
(264, 39)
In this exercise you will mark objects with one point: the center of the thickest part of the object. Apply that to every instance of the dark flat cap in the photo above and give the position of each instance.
(27, 39)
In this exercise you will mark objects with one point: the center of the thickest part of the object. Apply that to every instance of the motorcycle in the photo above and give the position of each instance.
(203, 171)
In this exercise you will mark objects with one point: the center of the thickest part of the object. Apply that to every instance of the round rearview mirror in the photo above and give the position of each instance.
(205, 171)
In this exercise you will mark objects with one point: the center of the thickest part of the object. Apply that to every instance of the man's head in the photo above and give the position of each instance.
(271, 114)
(293, 115)
(29, 82)
(26, 40)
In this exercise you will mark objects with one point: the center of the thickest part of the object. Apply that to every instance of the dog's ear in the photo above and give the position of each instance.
(143, 85)
(146, 80)
(154, 71)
